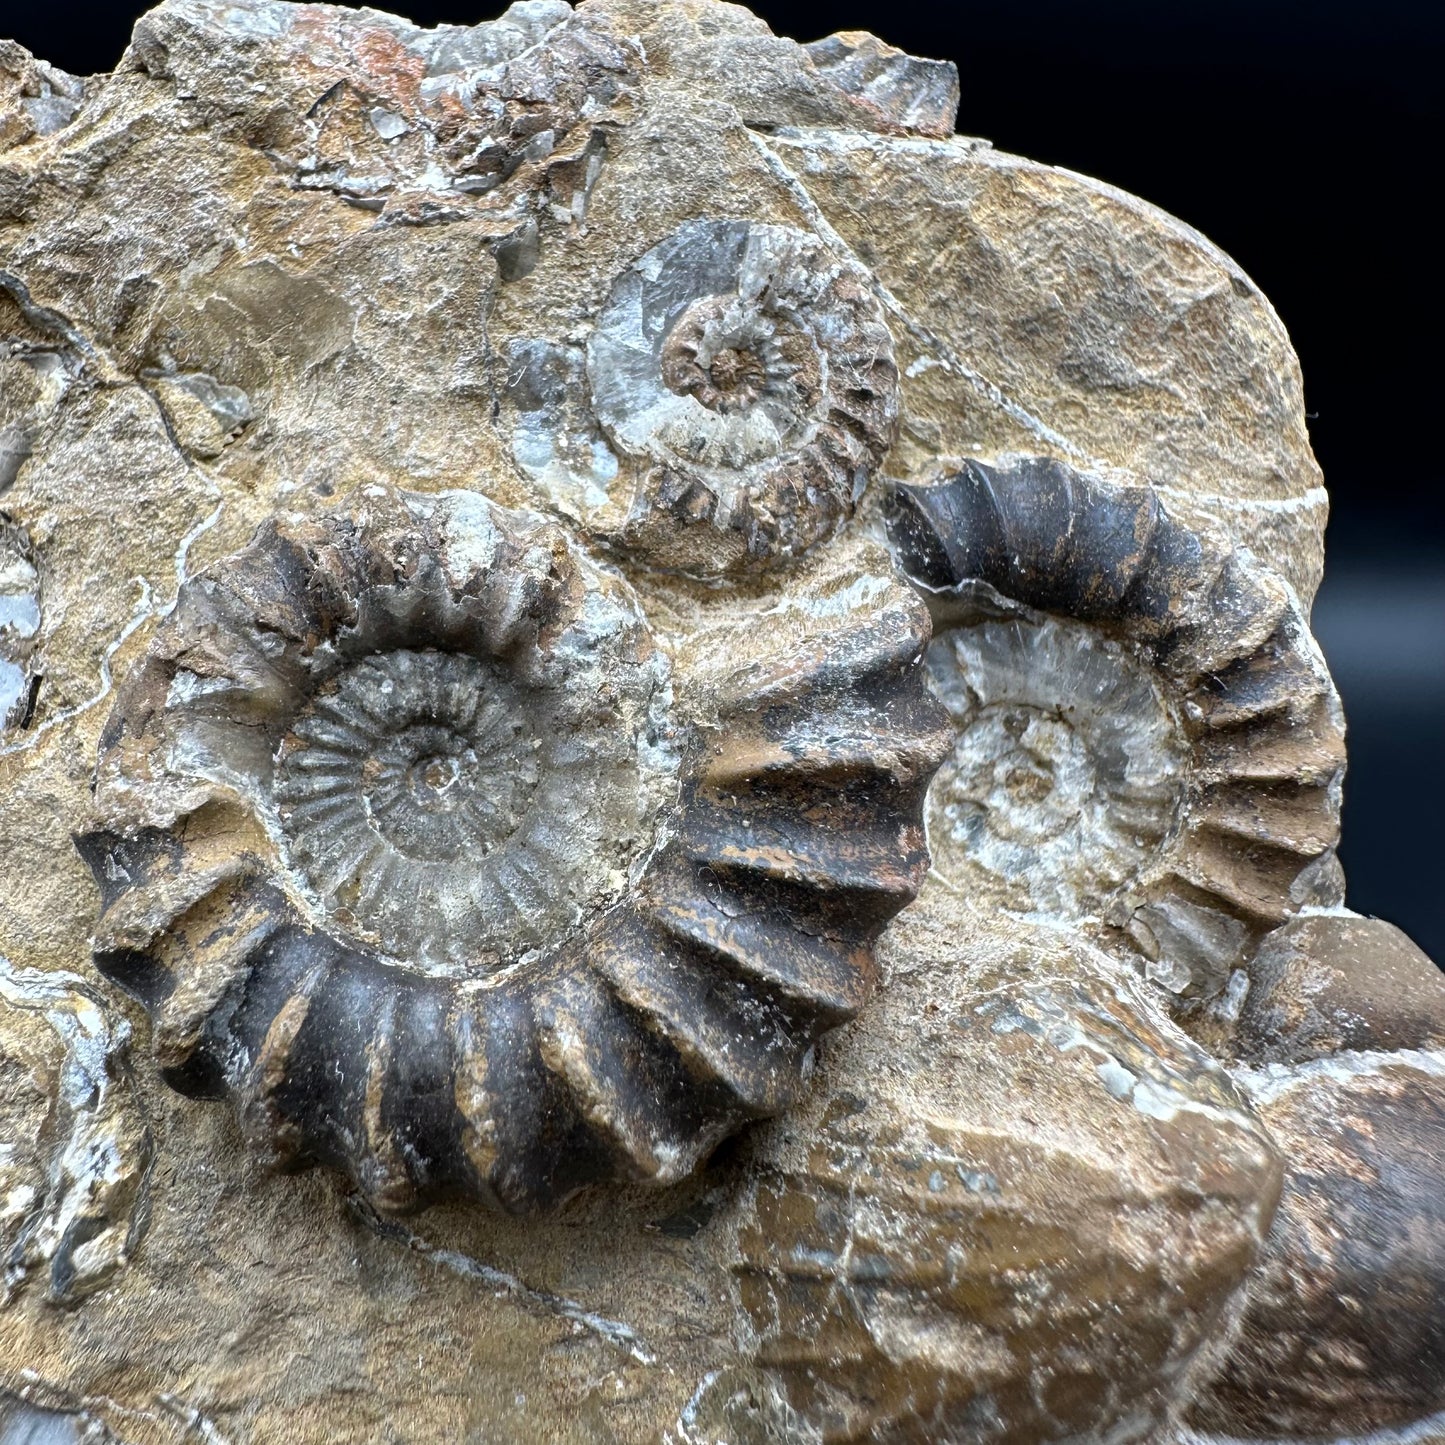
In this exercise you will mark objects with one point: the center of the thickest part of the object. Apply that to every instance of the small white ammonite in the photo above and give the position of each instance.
(744, 376)
(1147, 739)
(1068, 770)
(408, 845)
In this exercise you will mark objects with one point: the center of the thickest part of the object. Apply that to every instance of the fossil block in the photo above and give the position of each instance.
(701, 690)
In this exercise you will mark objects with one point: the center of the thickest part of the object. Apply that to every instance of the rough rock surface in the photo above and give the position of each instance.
(704, 311)
(1148, 739)
(75, 1149)
(1327, 982)
(1029, 1238)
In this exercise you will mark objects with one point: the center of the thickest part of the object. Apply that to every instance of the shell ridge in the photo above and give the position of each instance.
(441, 962)
(1145, 606)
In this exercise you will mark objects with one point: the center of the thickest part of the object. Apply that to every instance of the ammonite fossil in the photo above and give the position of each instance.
(410, 848)
(1068, 771)
(744, 377)
(1147, 737)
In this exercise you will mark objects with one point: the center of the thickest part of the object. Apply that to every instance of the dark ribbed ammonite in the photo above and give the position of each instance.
(1147, 738)
(414, 845)
(745, 377)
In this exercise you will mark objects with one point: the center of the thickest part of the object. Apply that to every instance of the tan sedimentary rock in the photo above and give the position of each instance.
(1016, 1208)
(1022, 334)
(682, 308)
(36, 99)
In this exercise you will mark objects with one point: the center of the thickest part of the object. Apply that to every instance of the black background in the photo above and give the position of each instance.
(1304, 136)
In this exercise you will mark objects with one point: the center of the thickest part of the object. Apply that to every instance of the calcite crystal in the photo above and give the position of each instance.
(702, 691)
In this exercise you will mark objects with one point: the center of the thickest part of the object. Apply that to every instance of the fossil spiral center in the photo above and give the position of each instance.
(434, 746)
(1067, 774)
(426, 794)
(738, 377)
(409, 770)
(1026, 771)
(731, 356)
(433, 780)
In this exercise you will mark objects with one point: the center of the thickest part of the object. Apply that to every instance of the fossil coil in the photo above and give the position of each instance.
(1094, 647)
(745, 376)
(410, 848)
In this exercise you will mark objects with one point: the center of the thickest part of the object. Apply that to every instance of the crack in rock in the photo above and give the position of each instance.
(613, 1332)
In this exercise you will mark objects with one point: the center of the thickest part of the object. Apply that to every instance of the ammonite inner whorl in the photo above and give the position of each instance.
(745, 376)
(1147, 737)
(1067, 772)
(410, 848)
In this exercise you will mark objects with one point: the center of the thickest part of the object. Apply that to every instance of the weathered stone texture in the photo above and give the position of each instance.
(1017, 1207)
(1337, 981)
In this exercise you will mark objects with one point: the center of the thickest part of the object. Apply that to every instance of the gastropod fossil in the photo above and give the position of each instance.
(410, 847)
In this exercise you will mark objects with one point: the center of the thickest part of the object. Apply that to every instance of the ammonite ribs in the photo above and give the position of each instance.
(405, 848)
(745, 376)
(1251, 834)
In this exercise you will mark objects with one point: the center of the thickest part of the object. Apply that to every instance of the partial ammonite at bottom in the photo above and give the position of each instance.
(414, 845)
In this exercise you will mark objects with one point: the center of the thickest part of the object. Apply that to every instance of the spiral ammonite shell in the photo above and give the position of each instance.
(1068, 770)
(745, 376)
(1146, 735)
(410, 848)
